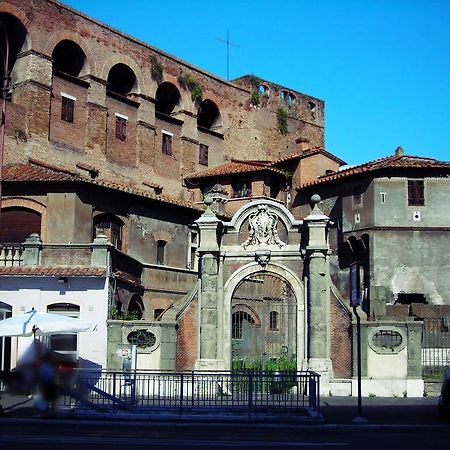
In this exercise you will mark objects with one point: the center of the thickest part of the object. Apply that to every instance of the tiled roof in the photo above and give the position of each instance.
(37, 171)
(309, 152)
(236, 166)
(54, 271)
(389, 162)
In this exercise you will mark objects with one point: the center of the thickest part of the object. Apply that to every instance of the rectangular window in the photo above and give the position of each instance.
(382, 197)
(242, 189)
(416, 194)
(67, 107)
(167, 143)
(203, 155)
(121, 126)
(192, 262)
(357, 195)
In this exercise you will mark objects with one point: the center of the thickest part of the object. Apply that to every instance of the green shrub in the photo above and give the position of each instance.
(282, 120)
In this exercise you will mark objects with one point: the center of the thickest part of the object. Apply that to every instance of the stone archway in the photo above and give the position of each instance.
(290, 331)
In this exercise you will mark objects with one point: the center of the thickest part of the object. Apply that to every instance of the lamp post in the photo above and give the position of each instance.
(4, 89)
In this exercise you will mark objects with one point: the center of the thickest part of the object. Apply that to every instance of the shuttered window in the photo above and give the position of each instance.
(67, 109)
(18, 224)
(416, 193)
(203, 155)
(167, 143)
(121, 128)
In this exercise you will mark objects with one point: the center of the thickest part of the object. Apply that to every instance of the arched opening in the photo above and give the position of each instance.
(136, 307)
(167, 98)
(18, 224)
(264, 323)
(69, 58)
(12, 32)
(121, 80)
(208, 115)
(109, 226)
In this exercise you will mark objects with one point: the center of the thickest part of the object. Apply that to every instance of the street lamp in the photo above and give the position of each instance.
(4, 90)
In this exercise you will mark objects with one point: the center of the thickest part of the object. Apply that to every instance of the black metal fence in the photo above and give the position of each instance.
(156, 390)
(435, 347)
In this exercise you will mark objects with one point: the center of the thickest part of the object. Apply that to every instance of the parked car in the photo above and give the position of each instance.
(444, 398)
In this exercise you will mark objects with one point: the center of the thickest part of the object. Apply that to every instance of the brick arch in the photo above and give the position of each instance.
(62, 35)
(249, 310)
(123, 59)
(32, 36)
(20, 202)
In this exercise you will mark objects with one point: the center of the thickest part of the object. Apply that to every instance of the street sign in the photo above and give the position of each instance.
(355, 292)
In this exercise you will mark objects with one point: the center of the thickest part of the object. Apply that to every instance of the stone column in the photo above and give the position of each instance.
(208, 250)
(32, 250)
(414, 381)
(317, 264)
(100, 252)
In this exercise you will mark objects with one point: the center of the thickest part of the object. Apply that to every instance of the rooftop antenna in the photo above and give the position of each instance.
(228, 43)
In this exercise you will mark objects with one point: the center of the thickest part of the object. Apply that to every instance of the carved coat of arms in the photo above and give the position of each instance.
(263, 228)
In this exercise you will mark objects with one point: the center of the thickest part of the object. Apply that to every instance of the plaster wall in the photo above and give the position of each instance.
(90, 294)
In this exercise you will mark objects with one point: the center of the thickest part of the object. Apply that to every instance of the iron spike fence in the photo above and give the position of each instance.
(435, 347)
(198, 390)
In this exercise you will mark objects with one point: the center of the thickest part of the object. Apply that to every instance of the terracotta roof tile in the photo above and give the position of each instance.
(54, 271)
(389, 162)
(37, 171)
(234, 167)
(309, 152)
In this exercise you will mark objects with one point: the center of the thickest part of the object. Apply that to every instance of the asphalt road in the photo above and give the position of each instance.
(75, 435)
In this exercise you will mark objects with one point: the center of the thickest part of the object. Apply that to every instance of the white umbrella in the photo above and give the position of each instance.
(34, 323)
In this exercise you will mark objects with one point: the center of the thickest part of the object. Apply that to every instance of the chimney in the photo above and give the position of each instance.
(399, 151)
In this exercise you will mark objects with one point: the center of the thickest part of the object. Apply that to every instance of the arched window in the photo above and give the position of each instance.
(160, 251)
(121, 80)
(208, 115)
(167, 98)
(18, 41)
(66, 345)
(69, 58)
(136, 306)
(109, 226)
(18, 224)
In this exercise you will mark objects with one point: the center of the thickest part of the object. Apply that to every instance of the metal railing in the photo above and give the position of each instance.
(435, 347)
(11, 255)
(196, 390)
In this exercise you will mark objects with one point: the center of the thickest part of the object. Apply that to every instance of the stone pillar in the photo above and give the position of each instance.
(317, 264)
(208, 250)
(100, 252)
(414, 381)
(97, 116)
(32, 250)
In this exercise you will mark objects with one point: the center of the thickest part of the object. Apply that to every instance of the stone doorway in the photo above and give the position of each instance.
(264, 324)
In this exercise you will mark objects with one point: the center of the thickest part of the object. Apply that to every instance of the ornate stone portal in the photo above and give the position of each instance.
(230, 252)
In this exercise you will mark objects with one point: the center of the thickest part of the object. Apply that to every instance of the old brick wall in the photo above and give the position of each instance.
(187, 338)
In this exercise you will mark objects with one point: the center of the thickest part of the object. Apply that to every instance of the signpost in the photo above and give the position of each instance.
(355, 301)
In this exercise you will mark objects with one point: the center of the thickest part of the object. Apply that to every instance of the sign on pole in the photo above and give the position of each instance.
(355, 292)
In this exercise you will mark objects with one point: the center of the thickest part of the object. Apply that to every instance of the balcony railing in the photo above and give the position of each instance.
(11, 255)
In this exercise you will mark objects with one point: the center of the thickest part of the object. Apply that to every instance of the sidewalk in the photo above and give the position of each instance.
(336, 411)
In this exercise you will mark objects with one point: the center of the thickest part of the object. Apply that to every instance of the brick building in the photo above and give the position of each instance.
(111, 146)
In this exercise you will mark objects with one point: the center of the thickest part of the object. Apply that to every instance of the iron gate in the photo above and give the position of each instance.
(435, 347)
(264, 324)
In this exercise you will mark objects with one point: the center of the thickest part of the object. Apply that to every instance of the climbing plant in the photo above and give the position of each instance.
(156, 69)
(191, 83)
(282, 120)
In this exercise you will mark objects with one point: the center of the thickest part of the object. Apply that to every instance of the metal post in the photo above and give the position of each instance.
(359, 417)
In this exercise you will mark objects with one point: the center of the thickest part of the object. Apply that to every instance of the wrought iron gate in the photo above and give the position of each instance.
(264, 324)
(435, 347)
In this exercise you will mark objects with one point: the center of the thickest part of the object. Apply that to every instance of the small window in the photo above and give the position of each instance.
(416, 193)
(109, 226)
(273, 320)
(157, 312)
(382, 197)
(121, 127)
(166, 143)
(203, 155)
(67, 108)
(357, 195)
(192, 262)
(241, 189)
(160, 251)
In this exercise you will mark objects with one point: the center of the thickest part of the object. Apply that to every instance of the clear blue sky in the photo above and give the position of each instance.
(382, 66)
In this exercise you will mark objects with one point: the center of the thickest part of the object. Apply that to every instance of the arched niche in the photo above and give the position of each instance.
(208, 116)
(122, 80)
(168, 98)
(68, 57)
